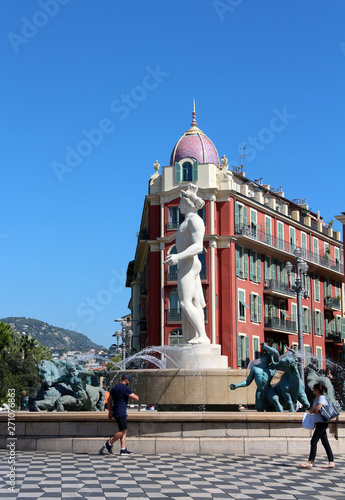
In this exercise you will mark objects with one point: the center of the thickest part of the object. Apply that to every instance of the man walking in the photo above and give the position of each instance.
(117, 407)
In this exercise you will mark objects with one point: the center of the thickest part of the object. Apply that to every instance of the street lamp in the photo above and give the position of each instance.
(126, 335)
(300, 289)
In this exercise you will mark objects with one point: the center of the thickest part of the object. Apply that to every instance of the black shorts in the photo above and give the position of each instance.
(122, 423)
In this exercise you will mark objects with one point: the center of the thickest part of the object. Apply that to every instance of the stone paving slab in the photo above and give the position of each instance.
(56, 476)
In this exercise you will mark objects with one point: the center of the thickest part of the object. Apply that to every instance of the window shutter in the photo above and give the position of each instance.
(343, 328)
(252, 306)
(177, 172)
(245, 216)
(237, 217)
(325, 287)
(251, 264)
(245, 263)
(330, 288)
(247, 351)
(338, 324)
(238, 261)
(273, 268)
(259, 308)
(267, 269)
(258, 267)
(317, 287)
(239, 351)
(316, 325)
(195, 171)
(256, 353)
(321, 323)
(309, 320)
(333, 325)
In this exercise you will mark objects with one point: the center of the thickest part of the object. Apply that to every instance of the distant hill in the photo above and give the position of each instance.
(52, 336)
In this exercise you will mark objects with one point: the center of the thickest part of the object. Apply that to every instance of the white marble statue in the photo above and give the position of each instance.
(189, 243)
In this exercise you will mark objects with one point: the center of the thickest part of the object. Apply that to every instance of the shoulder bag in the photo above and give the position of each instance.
(328, 411)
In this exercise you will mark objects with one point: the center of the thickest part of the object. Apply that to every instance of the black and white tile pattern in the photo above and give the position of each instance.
(56, 476)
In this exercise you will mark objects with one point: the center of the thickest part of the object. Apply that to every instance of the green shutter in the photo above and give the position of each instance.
(251, 264)
(317, 287)
(241, 300)
(325, 287)
(239, 351)
(238, 261)
(316, 326)
(252, 311)
(237, 217)
(177, 172)
(343, 328)
(259, 308)
(245, 216)
(195, 171)
(321, 323)
(273, 267)
(256, 353)
(309, 320)
(267, 268)
(333, 324)
(258, 267)
(338, 324)
(247, 351)
(245, 263)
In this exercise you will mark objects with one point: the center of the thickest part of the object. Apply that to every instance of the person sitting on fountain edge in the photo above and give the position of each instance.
(117, 408)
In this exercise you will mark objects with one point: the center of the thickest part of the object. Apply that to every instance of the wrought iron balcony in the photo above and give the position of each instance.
(281, 324)
(172, 274)
(335, 336)
(332, 303)
(278, 286)
(263, 237)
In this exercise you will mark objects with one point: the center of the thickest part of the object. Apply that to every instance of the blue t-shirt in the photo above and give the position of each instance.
(119, 395)
(322, 400)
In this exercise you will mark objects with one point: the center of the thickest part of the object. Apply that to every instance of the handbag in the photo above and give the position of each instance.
(308, 421)
(328, 411)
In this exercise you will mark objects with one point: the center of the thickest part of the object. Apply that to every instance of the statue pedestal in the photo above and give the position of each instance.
(197, 357)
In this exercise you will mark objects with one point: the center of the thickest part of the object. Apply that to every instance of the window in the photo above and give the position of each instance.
(172, 270)
(339, 324)
(294, 315)
(268, 229)
(317, 287)
(242, 306)
(174, 306)
(256, 347)
(328, 287)
(176, 337)
(336, 255)
(306, 315)
(241, 262)
(255, 308)
(280, 235)
(316, 249)
(186, 171)
(292, 238)
(173, 218)
(308, 353)
(253, 222)
(255, 266)
(242, 351)
(304, 243)
(318, 322)
(240, 216)
(319, 357)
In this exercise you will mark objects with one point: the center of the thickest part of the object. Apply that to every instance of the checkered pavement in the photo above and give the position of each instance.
(56, 476)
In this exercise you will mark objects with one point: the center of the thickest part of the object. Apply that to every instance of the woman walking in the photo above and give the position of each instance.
(320, 429)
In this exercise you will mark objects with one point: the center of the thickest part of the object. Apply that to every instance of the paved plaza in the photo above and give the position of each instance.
(55, 476)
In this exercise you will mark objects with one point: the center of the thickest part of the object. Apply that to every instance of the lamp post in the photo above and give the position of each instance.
(300, 289)
(126, 335)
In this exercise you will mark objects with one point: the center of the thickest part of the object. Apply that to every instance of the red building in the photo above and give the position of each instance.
(251, 232)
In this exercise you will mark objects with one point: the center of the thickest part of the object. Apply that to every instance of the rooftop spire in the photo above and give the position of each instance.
(194, 123)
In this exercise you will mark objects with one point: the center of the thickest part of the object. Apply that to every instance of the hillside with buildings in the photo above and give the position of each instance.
(51, 336)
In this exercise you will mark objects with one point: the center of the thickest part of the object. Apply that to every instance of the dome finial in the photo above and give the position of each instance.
(194, 123)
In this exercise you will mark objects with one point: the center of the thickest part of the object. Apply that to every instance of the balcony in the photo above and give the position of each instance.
(175, 314)
(172, 274)
(261, 236)
(334, 336)
(284, 325)
(278, 288)
(330, 303)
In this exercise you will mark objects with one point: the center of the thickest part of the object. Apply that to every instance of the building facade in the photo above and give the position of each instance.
(251, 231)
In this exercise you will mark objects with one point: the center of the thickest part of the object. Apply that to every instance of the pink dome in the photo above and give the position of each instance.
(195, 144)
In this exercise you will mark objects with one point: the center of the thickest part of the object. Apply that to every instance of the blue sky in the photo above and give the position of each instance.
(93, 93)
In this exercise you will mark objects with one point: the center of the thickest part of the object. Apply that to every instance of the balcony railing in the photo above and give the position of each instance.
(172, 274)
(259, 235)
(278, 286)
(335, 336)
(281, 324)
(332, 303)
(175, 314)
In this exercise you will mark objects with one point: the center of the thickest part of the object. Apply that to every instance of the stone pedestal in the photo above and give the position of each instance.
(197, 357)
